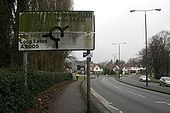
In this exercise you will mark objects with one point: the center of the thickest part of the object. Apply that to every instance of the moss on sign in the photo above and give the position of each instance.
(78, 21)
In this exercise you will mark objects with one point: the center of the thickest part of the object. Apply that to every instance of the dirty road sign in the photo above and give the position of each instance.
(61, 30)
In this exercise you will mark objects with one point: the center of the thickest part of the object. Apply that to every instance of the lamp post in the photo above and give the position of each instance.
(114, 57)
(119, 54)
(146, 63)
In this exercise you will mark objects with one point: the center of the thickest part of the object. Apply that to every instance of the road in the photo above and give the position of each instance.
(124, 98)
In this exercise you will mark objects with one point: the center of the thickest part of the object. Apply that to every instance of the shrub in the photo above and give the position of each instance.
(15, 96)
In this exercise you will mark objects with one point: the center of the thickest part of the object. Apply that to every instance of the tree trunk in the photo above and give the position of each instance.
(4, 36)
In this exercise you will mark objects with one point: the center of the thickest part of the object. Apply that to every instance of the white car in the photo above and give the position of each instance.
(143, 78)
(164, 81)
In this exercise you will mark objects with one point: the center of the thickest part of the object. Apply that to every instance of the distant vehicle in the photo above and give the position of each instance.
(143, 78)
(164, 81)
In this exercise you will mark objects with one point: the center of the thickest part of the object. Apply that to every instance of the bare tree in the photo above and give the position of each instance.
(158, 54)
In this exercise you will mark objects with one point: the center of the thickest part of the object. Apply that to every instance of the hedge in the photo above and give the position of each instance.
(15, 96)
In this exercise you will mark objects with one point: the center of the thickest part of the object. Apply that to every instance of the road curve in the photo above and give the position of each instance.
(128, 99)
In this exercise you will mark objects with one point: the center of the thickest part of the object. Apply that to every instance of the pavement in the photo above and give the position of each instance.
(132, 80)
(71, 100)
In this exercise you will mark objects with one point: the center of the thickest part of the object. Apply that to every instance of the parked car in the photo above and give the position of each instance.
(143, 78)
(164, 81)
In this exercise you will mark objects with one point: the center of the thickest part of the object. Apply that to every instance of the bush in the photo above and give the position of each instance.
(15, 96)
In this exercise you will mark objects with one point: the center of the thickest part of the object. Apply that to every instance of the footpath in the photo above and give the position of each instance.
(151, 86)
(70, 101)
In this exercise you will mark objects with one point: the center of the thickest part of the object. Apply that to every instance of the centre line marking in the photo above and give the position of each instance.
(136, 94)
(117, 87)
(104, 80)
(160, 102)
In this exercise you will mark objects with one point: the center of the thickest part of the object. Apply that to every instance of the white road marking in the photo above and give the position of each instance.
(120, 111)
(160, 102)
(104, 101)
(113, 107)
(107, 83)
(101, 99)
(136, 94)
(104, 80)
(117, 87)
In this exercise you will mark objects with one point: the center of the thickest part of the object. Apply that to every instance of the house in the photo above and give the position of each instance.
(116, 69)
(97, 70)
(133, 70)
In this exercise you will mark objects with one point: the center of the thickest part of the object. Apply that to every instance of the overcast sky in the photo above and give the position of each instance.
(115, 24)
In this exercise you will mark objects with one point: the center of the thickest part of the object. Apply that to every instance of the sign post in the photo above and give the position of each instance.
(88, 55)
(25, 63)
(88, 82)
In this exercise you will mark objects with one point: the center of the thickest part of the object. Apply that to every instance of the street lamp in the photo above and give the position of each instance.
(119, 54)
(146, 63)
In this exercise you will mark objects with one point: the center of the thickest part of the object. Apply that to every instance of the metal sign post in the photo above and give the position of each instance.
(25, 64)
(88, 82)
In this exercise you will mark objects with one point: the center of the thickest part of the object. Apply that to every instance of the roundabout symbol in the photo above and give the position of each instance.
(51, 32)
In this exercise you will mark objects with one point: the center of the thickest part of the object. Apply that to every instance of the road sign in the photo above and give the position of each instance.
(61, 30)
(85, 54)
(88, 55)
(71, 41)
(80, 67)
